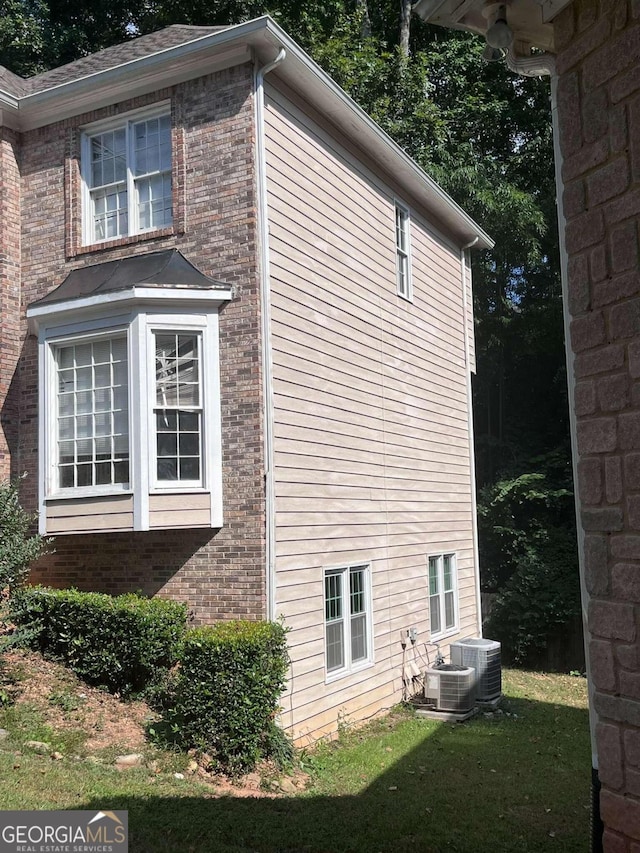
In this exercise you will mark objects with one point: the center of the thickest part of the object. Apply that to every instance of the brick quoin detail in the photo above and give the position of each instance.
(599, 123)
(219, 573)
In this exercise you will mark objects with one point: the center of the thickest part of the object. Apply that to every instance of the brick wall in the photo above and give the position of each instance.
(219, 573)
(598, 65)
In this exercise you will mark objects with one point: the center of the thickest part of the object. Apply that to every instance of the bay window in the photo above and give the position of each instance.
(129, 400)
(92, 412)
(177, 414)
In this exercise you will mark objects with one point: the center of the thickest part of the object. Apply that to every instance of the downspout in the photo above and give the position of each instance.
(265, 306)
(535, 66)
(472, 452)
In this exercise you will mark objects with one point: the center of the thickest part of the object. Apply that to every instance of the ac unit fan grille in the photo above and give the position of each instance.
(484, 656)
(450, 687)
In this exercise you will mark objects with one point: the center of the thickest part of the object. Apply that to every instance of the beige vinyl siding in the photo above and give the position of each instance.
(90, 515)
(371, 444)
(179, 510)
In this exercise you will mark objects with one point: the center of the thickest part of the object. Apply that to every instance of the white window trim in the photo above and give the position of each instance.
(113, 123)
(207, 329)
(401, 206)
(445, 632)
(349, 668)
(48, 393)
(55, 326)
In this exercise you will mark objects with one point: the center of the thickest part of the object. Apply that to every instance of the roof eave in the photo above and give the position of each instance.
(261, 38)
(301, 73)
(50, 313)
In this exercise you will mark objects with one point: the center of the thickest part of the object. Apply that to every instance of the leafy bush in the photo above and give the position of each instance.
(224, 696)
(122, 643)
(18, 548)
(528, 556)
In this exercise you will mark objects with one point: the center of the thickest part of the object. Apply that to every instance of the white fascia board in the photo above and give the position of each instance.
(124, 298)
(9, 116)
(130, 80)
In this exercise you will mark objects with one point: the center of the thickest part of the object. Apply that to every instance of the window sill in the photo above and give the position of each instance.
(445, 634)
(343, 673)
(130, 240)
(179, 489)
(82, 494)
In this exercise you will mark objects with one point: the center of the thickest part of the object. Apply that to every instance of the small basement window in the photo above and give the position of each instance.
(347, 618)
(443, 595)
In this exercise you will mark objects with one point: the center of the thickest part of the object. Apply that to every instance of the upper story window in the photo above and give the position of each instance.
(403, 251)
(443, 595)
(126, 167)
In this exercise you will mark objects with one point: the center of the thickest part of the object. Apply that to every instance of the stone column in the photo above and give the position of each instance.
(598, 64)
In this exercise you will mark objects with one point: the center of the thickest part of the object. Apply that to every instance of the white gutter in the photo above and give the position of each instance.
(464, 254)
(535, 66)
(267, 366)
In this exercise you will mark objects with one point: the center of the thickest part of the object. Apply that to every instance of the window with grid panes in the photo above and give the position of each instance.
(347, 618)
(178, 408)
(443, 604)
(92, 413)
(127, 173)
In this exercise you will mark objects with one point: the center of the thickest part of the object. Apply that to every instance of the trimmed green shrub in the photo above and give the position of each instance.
(123, 643)
(224, 696)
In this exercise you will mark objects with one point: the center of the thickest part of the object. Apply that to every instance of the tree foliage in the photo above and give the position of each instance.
(19, 547)
(527, 546)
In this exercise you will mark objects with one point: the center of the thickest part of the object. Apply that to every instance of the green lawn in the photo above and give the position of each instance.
(518, 782)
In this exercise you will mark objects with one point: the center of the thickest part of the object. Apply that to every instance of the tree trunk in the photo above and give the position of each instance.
(405, 27)
(365, 20)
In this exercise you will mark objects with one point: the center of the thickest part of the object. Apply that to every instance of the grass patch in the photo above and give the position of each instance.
(515, 783)
(26, 723)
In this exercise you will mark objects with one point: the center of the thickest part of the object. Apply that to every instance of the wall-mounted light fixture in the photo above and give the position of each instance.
(499, 34)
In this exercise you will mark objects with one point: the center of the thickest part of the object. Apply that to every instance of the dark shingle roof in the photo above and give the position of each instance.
(110, 57)
(12, 84)
(167, 268)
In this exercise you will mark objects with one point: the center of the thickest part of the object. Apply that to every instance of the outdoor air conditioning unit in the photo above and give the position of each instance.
(450, 687)
(484, 656)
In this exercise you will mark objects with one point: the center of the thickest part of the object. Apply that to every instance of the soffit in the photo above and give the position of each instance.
(530, 20)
